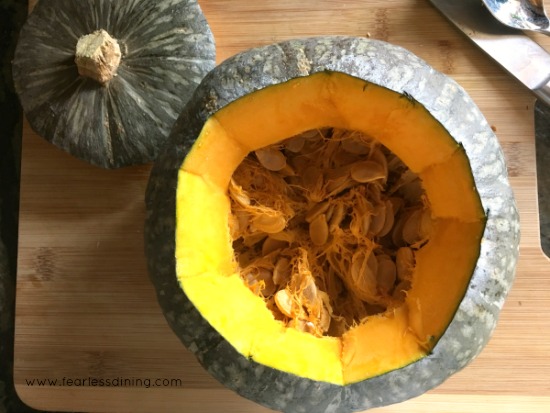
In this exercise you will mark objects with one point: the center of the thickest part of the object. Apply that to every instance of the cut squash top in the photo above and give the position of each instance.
(211, 258)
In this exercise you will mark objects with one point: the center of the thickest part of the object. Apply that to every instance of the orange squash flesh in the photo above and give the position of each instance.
(207, 270)
(298, 105)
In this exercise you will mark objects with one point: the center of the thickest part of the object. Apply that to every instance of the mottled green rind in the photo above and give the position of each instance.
(396, 69)
(167, 49)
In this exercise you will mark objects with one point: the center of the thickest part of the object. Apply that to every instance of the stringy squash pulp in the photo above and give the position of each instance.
(334, 224)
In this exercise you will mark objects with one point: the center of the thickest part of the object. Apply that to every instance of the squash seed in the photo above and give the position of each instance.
(249, 240)
(363, 278)
(378, 156)
(411, 187)
(337, 216)
(271, 158)
(356, 146)
(270, 223)
(378, 219)
(271, 245)
(397, 204)
(329, 212)
(283, 301)
(365, 224)
(311, 328)
(309, 134)
(318, 230)
(316, 210)
(411, 228)
(296, 144)
(328, 152)
(417, 227)
(372, 262)
(265, 277)
(324, 319)
(367, 171)
(386, 273)
(287, 171)
(389, 219)
(260, 280)
(405, 262)
(397, 230)
(281, 272)
(309, 290)
(299, 163)
(337, 185)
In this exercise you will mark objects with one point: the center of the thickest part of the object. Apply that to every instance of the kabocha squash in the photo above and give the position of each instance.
(105, 80)
(330, 227)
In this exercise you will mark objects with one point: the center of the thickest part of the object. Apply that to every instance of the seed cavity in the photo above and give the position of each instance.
(326, 226)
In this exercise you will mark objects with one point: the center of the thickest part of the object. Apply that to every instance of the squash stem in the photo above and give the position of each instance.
(98, 56)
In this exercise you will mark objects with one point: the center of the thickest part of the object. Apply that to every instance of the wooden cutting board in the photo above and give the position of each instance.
(85, 306)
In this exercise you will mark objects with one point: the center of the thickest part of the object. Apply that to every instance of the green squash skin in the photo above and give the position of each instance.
(167, 48)
(396, 69)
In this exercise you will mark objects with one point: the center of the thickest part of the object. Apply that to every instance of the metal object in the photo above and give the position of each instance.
(516, 52)
(542, 141)
(520, 14)
(530, 64)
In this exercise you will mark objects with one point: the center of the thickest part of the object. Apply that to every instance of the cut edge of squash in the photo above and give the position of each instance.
(203, 242)
(214, 144)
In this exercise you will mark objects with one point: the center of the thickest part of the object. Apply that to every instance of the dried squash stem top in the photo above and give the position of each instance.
(97, 56)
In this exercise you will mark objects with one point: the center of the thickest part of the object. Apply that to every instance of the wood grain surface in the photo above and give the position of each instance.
(86, 309)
